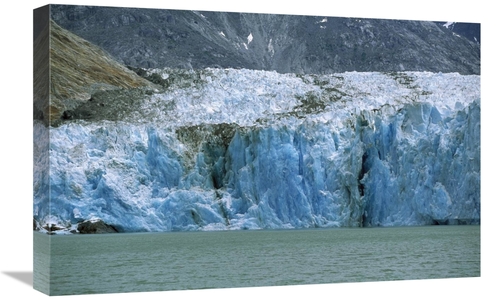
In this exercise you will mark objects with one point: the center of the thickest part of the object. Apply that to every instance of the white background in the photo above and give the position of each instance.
(16, 148)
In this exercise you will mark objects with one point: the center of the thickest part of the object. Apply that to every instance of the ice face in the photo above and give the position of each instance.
(252, 149)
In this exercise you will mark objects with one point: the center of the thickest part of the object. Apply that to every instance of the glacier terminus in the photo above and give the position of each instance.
(228, 149)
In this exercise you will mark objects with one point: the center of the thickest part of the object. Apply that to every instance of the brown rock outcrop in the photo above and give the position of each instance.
(78, 69)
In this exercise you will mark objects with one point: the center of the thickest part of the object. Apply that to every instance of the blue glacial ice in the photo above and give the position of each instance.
(253, 149)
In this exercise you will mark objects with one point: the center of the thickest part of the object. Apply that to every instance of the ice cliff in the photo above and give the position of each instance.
(245, 149)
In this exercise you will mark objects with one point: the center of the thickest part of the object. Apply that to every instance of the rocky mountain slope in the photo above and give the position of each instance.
(471, 31)
(152, 38)
(78, 70)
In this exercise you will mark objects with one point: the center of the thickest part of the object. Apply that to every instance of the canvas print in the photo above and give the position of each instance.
(179, 149)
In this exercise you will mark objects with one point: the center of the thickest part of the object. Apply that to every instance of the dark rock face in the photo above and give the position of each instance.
(150, 38)
(87, 227)
(471, 31)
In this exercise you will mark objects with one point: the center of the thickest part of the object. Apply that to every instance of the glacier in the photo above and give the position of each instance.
(229, 149)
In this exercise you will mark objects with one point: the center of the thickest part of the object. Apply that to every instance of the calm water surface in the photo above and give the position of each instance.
(110, 263)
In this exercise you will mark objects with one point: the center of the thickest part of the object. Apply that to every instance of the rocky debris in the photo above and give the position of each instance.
(91, 226)
(106, 105)
(52, 228)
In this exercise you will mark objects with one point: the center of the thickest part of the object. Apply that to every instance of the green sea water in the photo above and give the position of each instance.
(134, 262)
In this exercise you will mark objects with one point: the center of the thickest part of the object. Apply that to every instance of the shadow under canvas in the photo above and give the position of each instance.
(23, 276)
